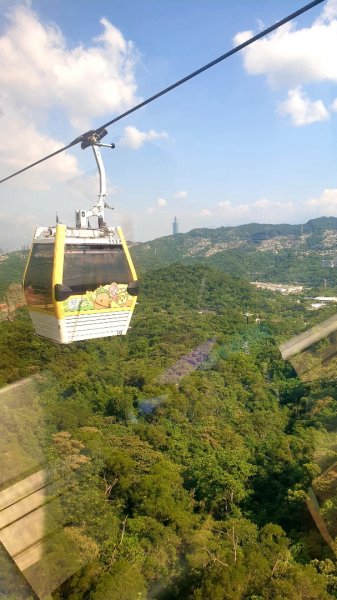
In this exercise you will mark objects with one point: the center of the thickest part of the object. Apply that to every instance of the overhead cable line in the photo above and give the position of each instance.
(83, 139)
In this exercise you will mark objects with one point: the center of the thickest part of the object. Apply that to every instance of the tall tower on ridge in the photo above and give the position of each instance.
(175, 226)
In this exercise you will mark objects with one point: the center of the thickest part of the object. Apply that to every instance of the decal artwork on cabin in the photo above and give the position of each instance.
(111, 296)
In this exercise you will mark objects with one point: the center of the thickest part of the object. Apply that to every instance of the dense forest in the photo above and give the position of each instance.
(189, 445)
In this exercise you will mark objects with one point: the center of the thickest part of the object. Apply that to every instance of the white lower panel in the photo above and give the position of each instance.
(46, 326)
(82, 327)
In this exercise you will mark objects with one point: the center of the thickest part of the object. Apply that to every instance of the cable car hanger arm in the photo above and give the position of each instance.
(85, 138)
(93, 139)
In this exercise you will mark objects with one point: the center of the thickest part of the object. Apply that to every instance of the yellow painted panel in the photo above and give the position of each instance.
(58, 266)
(127, 253)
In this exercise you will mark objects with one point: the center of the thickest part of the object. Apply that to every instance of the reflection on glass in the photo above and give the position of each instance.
(87, 267)
(38, 279)
(33, 494)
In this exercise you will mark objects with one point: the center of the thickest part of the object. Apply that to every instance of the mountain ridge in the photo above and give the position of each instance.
(313, 225)
(253, 250)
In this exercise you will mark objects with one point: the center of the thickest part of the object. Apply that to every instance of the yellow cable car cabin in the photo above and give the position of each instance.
(80, 283)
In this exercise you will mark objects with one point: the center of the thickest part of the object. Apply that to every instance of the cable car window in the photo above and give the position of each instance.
(38, 279)
(87, 267)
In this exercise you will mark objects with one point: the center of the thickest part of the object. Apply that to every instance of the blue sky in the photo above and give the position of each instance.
(250, 140)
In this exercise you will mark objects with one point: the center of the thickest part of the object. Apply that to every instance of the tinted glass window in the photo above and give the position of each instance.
(38, 279)
(87, 267)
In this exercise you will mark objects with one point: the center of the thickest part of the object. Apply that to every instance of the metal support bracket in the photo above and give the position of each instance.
(92, 138)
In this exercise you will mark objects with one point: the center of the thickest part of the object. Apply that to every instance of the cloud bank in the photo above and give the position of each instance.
(265, 210)
(39, 70)
(41, 76)
(293, 57)
(21, 143)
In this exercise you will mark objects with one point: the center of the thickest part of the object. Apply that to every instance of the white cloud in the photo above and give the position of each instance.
(292, 57)
(265, 210)
(133, 138)
(303, 110)
(329, 12)
(326, 202)
(262, 209)
(40, 76)
(242, 37)
(160, 203)
(205, 213)
(180, 195)
(19, 149)
(224, 204)
(38, 70)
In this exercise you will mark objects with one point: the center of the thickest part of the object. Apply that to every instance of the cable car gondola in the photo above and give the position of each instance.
(80, 283)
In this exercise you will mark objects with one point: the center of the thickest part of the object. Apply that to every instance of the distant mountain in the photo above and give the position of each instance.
(287, 253)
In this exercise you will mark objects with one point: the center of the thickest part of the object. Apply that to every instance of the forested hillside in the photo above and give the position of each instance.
(195, 446)
(11, 270)
(302, 254)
